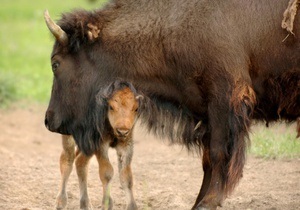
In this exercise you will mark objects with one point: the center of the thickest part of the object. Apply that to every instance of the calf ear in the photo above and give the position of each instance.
(100, 99)
(140, 99)
(93, 32)
(104, 94)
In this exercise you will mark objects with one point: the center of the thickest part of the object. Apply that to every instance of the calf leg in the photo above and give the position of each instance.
(106, 173)
(125, 152)
(66, 164)
(82, 162)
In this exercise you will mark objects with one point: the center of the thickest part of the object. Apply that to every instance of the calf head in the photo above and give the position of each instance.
(122, 103)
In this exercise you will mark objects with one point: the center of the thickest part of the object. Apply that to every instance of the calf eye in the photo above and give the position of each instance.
(55, 65)
(111, 108)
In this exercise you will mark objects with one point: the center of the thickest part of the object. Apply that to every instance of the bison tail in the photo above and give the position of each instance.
(242, 106)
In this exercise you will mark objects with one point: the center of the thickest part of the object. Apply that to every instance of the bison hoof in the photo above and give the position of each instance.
(204, 208)
(201, 208)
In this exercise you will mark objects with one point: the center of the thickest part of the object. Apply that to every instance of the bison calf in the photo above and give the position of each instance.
(117, 110)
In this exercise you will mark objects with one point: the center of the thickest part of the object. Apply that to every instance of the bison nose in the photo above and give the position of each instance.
(122, 132)
(46, 123)
(49, 120)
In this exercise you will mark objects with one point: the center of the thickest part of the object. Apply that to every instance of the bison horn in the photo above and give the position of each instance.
(56, 30)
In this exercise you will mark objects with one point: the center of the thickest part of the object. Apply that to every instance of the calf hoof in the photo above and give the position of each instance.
(85, 204)
(132, 206)
(61, 201)
(107, 204)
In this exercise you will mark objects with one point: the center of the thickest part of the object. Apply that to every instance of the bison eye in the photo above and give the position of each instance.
(111, 108)
(55, 65)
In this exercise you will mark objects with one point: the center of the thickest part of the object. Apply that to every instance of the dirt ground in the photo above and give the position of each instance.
(165, 177)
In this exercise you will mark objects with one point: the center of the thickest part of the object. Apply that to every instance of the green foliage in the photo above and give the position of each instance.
(277, 141)
(26, 44)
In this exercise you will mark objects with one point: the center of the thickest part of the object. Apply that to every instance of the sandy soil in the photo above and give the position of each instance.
(165, 177)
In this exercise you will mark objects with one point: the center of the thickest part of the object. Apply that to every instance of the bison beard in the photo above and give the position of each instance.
(207, 68)
(86, 134)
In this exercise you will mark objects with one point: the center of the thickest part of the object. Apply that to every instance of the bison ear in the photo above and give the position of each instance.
(93, 32)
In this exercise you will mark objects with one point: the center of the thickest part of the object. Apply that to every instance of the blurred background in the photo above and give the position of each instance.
(26, 77)
(25, 47)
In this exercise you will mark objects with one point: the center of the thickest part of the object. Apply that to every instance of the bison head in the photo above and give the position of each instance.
(75, 84)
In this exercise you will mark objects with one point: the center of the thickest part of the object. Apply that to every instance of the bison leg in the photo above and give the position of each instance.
(81, 163)
(66, 165)
(125, 152)
(227, 147)
(106, 173)
(207, 169)
(212, 190)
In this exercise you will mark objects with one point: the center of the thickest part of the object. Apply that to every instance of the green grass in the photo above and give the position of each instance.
(26, 44)
(277, 141)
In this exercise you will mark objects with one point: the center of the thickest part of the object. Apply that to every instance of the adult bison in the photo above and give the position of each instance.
(209, 68)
